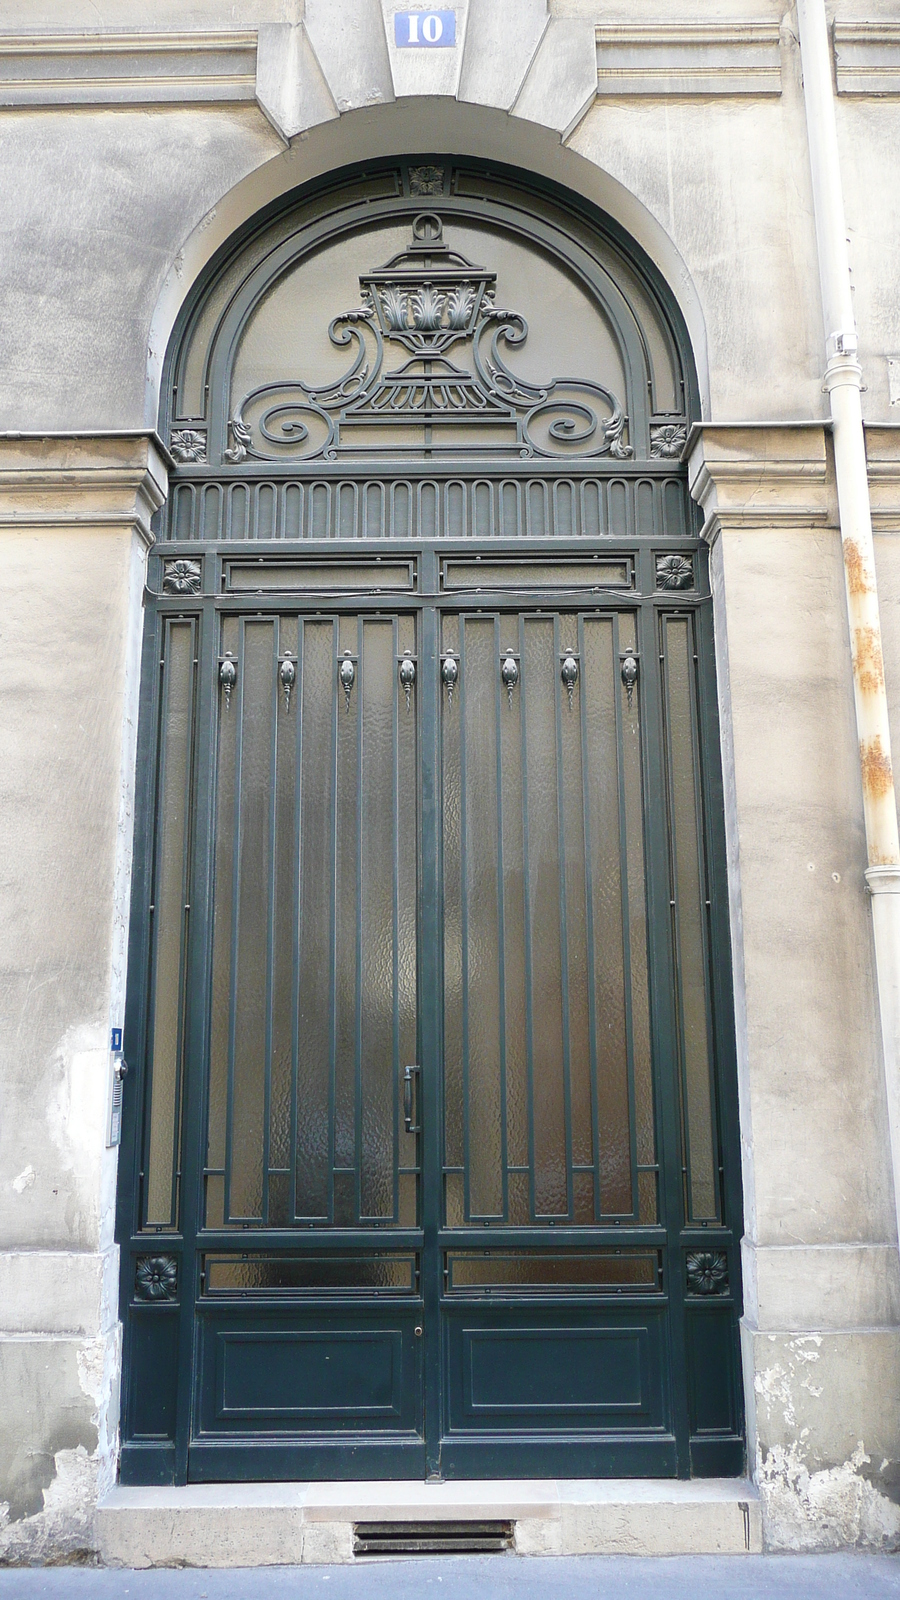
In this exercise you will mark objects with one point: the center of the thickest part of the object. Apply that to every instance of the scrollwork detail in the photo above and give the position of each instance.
(577, 422)
(242, 436)
(428, 299)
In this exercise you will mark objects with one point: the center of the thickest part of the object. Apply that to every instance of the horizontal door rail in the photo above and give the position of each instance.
(571, 505)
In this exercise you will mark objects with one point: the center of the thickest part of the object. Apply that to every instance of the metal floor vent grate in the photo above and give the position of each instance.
(430, 1538)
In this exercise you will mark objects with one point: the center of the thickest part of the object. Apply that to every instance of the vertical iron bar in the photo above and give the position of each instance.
(462, 690)
(395, 922)
(183, 957)
(332, 932)
(299, 930)
(663, 1019)
(720, 983)
(501, 925)
(563, 925)
(357, 1021)
(589, 923)
(430, 1039)
(674, 927)
(626, 823)
(526, 886)
(270, 920)
(153, 889)
(706, 903)
(196, 1085)
(235, 916)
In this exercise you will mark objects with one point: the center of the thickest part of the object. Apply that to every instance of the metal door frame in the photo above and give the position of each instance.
(164, 1464)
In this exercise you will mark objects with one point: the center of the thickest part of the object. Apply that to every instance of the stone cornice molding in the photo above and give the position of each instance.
(512, 55)
(685, 58)
(60, 69)
(867, 58)
(883, 458)
(760, 475)
(53, 480)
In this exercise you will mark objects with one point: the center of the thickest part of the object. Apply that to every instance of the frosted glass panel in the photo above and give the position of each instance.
(249, 1062)
(315, 980)
(170, 922)
(605, 827)
(691, 917)
(481, 955)
(545, 953)
(378, 1063)
(316, 711)
(546, 1028)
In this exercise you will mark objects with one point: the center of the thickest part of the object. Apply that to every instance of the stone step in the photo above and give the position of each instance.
(282, 1524)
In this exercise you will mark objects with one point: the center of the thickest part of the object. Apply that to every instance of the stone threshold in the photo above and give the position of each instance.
(283, 1524)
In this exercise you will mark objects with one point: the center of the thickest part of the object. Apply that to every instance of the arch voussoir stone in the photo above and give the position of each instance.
(510, 55)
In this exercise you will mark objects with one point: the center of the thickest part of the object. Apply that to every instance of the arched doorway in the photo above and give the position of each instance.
(430, 1163)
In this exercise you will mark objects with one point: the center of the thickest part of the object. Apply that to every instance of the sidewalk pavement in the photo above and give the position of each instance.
(825, 1577)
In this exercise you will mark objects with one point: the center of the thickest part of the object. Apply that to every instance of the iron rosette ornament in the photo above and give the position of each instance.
(427, 301)
(707, 1272)
(156, 1278)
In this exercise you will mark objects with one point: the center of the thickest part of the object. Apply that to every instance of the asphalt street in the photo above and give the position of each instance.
(830, 1577)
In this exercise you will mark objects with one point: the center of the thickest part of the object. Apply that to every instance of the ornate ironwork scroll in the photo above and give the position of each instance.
(428, 300)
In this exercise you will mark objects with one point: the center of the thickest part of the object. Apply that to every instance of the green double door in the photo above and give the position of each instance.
(433, 1099)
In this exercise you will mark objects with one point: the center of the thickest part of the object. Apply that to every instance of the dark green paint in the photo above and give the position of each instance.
(246, 1386)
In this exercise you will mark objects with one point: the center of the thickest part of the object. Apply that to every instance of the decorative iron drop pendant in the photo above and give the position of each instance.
(449, 676)
(629, 676)
(509, 673)
(407, 675)
(569, 674)
(347, 675)
(287, 672)
(228, 676)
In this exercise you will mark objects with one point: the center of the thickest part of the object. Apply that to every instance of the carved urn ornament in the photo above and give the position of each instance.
(428, 346)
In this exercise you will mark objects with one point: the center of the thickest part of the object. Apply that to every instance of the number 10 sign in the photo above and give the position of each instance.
(434, 30)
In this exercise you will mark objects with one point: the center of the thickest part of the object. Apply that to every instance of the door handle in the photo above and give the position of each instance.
(408, 1075)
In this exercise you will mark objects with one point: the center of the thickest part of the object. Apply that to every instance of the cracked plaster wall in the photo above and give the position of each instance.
(70, 669)
(828, 1452)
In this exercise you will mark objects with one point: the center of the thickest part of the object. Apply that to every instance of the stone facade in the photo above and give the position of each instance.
(136, 139)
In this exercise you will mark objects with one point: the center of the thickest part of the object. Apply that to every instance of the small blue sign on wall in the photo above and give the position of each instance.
(428, 30)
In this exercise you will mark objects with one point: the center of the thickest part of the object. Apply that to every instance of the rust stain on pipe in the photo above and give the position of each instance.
(877, 772)
(868, 663)
(859, 579)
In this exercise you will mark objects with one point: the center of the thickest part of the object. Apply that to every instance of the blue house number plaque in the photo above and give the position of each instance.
(429, 30)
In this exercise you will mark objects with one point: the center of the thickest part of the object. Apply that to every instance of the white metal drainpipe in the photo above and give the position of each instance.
(843, 381)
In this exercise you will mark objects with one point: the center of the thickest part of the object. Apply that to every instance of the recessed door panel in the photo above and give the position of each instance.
(314, 925)
(549, 1098)
(568, 1371)
(310, 1376)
